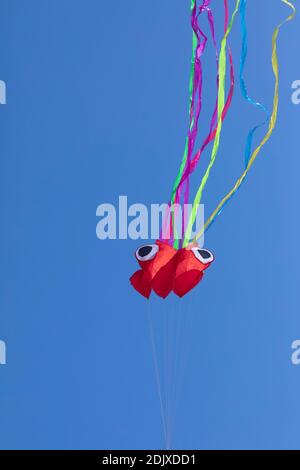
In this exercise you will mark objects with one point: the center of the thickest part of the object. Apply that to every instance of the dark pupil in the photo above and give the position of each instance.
(205, 254)
(145, 251)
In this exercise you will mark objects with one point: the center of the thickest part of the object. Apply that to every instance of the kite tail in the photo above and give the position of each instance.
(195, 103)
(244, 53)
(221, 105)
(273, 120)
(212, 132)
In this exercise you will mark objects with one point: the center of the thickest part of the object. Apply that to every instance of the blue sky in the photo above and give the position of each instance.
(97, 98)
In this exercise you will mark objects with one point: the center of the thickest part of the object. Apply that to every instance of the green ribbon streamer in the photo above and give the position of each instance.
(185, 153)
(221, 104)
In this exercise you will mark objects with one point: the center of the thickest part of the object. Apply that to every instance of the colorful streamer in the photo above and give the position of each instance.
(273, 120)
(189, 165)
(177, 191)
(221, 105)
(195, 93)
(244, 53)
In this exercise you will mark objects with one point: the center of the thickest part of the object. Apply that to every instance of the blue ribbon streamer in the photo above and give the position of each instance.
(243, 86)
(244, 90)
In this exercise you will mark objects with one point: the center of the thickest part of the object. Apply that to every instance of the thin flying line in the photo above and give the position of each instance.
(158, 382)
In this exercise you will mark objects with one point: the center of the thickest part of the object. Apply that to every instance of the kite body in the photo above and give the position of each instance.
(165, 269)
(157, 263)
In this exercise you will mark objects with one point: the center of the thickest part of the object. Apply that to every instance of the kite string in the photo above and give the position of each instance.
(157, 374)
(273, 119)
(221, 104)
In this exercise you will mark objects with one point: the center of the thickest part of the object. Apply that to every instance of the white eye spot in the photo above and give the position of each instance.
(204, 256)
(147, 252)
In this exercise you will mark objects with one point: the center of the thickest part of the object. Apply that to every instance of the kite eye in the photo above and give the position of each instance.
(147, 252)
(204, 256)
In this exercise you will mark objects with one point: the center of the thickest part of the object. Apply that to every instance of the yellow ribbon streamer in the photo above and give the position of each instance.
(221, 104)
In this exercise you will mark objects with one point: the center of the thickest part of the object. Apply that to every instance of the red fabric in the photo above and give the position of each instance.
(163, 281)
(171, 270)
(189, 272)
(156, 273)
(142, 283)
